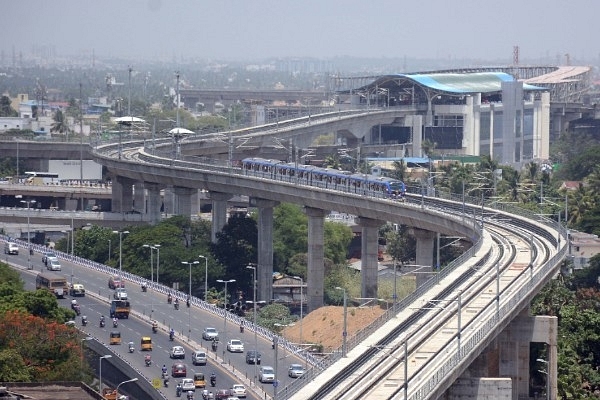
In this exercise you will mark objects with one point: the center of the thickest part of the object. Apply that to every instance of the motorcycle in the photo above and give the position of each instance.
(131, 348)
(176, 305)
(84, 320)
(178, 390)
(144, 288)
(171, 336)
(190, 395)
(76, 308)
(154, 328)
(31, 251)
(166, 382)
(115, 323)
(169, 298)
(241, 328)
(148, 361)
(213, 381)
(187, 303)
(214, 346)
(102, 323)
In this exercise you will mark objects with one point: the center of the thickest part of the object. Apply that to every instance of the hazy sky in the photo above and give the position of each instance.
(258, 29)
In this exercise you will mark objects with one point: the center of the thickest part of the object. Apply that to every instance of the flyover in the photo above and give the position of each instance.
(139, 163)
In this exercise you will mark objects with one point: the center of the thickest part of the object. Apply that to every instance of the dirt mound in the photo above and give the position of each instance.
(325, 325)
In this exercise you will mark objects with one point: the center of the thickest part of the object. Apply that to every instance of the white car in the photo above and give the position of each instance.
(238, 390)
(266, 374)
(199, 357)
(177, 352)
(235, 346)
(54, 265)
(120, 294)
(187, 384)
(295, 371)
(209, 333)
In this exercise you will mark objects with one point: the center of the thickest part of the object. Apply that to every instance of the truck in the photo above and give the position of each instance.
(119, 309)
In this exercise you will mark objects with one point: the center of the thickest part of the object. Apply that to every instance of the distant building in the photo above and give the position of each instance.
(583, 246)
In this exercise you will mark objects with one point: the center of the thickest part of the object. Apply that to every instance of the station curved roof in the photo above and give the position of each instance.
(477, 82)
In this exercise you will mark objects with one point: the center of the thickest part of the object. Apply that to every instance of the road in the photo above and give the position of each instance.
(229, 367)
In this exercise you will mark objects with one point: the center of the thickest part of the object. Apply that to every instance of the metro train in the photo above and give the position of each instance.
(328, 178)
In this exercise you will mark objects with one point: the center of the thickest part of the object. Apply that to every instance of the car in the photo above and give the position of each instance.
(11, 248)
(120, 294)
(210, 333)
(238, 390)
(46, 255)
(295, 371)
(76, 289)
(178, 370)
(177, 352)
(188, 384)
(266, 374)
(235, 346)
(199, 357)
(223, 394)
(115, 282)
(54, 264)
(253, 357)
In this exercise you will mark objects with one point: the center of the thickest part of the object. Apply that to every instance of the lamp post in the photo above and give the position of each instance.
(151, 275)
(81, 348)
(121, 254)
(190, 263)
(301, 314)
(157, 247)
(72, 271)
(276, 346)
(225, 306)
(344, 333)
(253, 268)
(127, 381)
(205, 278)
(101, 358)
(28, 202)
(546, 372)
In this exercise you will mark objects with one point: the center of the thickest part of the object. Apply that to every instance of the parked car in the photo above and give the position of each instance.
(199, 357)
(210, 333)
(177, 352)
(253, 357)
(115, 282)
(188, 384)
(238, 390)
(178, 370)
(120, 294)
(295, 371)
(266, 374)
(235, 346)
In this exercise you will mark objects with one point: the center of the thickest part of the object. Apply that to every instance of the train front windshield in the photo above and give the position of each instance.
(397, 187)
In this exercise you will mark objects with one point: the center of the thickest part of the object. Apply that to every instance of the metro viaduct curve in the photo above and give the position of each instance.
(131, 164)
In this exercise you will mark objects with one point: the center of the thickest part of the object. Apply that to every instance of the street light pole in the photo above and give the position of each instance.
(225, 306)
(101, 358)
(127, 381)
(157, 246)
(253, 268)
(121, 254)
(345, 332)
(301, 314)
(28, 202)
(205, 278)
(190, 263)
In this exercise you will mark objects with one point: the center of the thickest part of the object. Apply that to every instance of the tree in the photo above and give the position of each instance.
(60, 124)
(6, 109)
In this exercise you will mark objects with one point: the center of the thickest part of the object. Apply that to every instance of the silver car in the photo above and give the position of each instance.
(295, 371)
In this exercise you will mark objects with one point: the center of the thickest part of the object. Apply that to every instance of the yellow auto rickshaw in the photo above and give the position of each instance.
(115, 337)
(199, 380)
(146, 343)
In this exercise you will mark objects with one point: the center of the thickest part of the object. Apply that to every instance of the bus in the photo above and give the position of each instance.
(41, 178)
(56, 283)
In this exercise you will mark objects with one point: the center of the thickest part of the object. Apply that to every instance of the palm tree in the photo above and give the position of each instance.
(60, 123)
(400, 170)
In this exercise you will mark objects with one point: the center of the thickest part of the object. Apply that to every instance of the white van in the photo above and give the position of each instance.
(54, 264)
(11, 248)
(199, 357)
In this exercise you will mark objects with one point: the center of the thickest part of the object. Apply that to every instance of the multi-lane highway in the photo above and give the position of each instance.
(229, 367)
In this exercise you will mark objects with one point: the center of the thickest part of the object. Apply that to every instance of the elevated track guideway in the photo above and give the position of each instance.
(432, 336)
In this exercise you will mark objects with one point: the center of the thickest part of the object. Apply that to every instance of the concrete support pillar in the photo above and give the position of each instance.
(316, 253)
(264, 273)
(424, 256)
(219, 212)
(154, 203)
(139, 197)
(183, 199)
(368, 259)
(122, 194)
